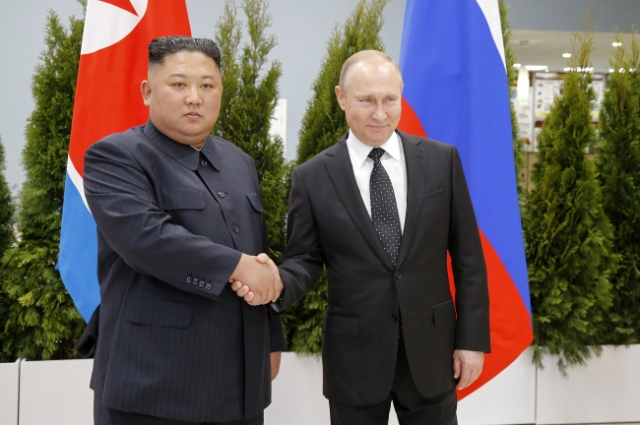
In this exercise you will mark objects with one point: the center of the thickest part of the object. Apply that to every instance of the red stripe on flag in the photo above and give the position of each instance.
(409, 121)
(508, 318)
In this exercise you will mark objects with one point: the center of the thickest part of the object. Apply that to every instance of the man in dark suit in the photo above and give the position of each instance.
(381, 209)
(179, 215)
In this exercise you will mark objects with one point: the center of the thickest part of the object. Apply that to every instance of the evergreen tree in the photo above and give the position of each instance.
(322, 126)
(44, 323)
(248, 101)
(568, 236)
(518, 146)
(6, 240)
(618, 163)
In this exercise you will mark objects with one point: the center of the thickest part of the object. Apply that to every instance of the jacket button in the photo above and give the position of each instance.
(394, 317)
(203, 163)
(188, 279)
(397, 275)
(222, 194)
(201, 284)
(235, 229)
(207, 286)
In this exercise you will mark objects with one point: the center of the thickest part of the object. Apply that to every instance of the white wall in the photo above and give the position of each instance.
(606, 391)
(9, 388)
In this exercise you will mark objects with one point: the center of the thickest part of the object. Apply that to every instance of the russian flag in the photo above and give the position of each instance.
(113, 63)
(456, 91)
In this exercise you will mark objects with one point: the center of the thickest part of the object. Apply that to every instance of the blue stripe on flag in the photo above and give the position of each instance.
(79, 252)
(465, 102)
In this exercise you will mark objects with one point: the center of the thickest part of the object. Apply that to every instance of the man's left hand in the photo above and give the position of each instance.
(467, 365)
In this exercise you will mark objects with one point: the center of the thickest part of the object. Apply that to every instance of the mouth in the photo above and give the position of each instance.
(192, 115)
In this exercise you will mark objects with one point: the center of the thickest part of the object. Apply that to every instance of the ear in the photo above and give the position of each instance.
(340, 95)
(145, 88)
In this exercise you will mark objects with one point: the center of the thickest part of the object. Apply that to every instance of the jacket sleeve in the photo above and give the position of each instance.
(302, 262)
(122, 201)
(468, 264)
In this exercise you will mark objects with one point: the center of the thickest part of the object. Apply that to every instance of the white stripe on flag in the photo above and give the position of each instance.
(78, 182)
(492, 15)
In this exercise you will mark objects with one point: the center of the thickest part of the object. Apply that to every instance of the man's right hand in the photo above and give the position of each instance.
(247, 292)
(257, 276)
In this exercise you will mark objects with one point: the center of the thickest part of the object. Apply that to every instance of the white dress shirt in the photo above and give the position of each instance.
(393, 162)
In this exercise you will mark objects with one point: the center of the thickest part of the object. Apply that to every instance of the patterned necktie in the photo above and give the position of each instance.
(384, 211)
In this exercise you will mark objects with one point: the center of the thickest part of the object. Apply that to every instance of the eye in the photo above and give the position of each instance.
(179, 84)
(207, 86)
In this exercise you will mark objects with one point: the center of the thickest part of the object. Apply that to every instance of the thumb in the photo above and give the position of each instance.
(262, 258)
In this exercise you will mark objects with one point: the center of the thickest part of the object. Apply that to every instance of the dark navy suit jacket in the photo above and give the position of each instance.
(329, 225)
(174, 340)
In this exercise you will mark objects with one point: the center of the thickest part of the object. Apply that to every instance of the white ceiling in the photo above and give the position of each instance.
(533, 47)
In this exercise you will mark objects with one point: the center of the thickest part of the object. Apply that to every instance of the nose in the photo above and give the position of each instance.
(193, 96)
(379, 113)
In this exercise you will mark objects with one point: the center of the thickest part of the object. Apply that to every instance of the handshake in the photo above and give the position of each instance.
(256, 279)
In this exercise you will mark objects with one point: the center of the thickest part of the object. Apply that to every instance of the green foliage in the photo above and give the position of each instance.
(322, 126)
(43, 322)
(7, 238)
(568, 237)
(518, 145)
(324, 122)
(618, 163)
(249, 98)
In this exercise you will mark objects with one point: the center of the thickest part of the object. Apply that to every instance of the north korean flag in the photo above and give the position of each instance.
(113, 63)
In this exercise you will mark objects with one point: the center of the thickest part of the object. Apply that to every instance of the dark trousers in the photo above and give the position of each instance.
(412, 408)
(104, 416)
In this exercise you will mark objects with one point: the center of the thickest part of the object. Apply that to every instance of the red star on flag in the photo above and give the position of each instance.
(122, 4)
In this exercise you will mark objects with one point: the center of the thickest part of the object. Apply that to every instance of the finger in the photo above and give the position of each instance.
(465, 378)
(457, 367)
(257, 300)
(249, 296)
(235, 285)
(244, 290)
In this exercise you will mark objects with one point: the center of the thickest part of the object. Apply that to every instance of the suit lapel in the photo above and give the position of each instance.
(416, 179)
(340, 170)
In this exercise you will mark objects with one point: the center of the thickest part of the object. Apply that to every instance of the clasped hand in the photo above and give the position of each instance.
(257, 280)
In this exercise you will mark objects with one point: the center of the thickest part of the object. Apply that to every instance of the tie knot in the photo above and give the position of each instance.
(376, 154)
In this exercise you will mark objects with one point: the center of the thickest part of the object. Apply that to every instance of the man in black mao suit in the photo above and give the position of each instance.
(382, 223)
(179, 215)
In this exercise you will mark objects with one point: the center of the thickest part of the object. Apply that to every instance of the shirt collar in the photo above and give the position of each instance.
(360, 151)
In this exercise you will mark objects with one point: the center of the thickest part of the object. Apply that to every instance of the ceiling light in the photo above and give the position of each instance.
(567, 69)
(536, 67)
(517, 65)
(616, 44)
(611, 70)
(566, 55)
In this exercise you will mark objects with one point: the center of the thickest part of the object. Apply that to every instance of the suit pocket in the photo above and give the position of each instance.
(338, 325)
(444, 312)
(151, 312)
(182, 199)
(254, 200)
(435, 196)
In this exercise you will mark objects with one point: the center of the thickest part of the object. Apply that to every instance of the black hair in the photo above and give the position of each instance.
(160, 47)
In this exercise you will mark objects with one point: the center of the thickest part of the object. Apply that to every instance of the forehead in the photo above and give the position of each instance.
(372, 76)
